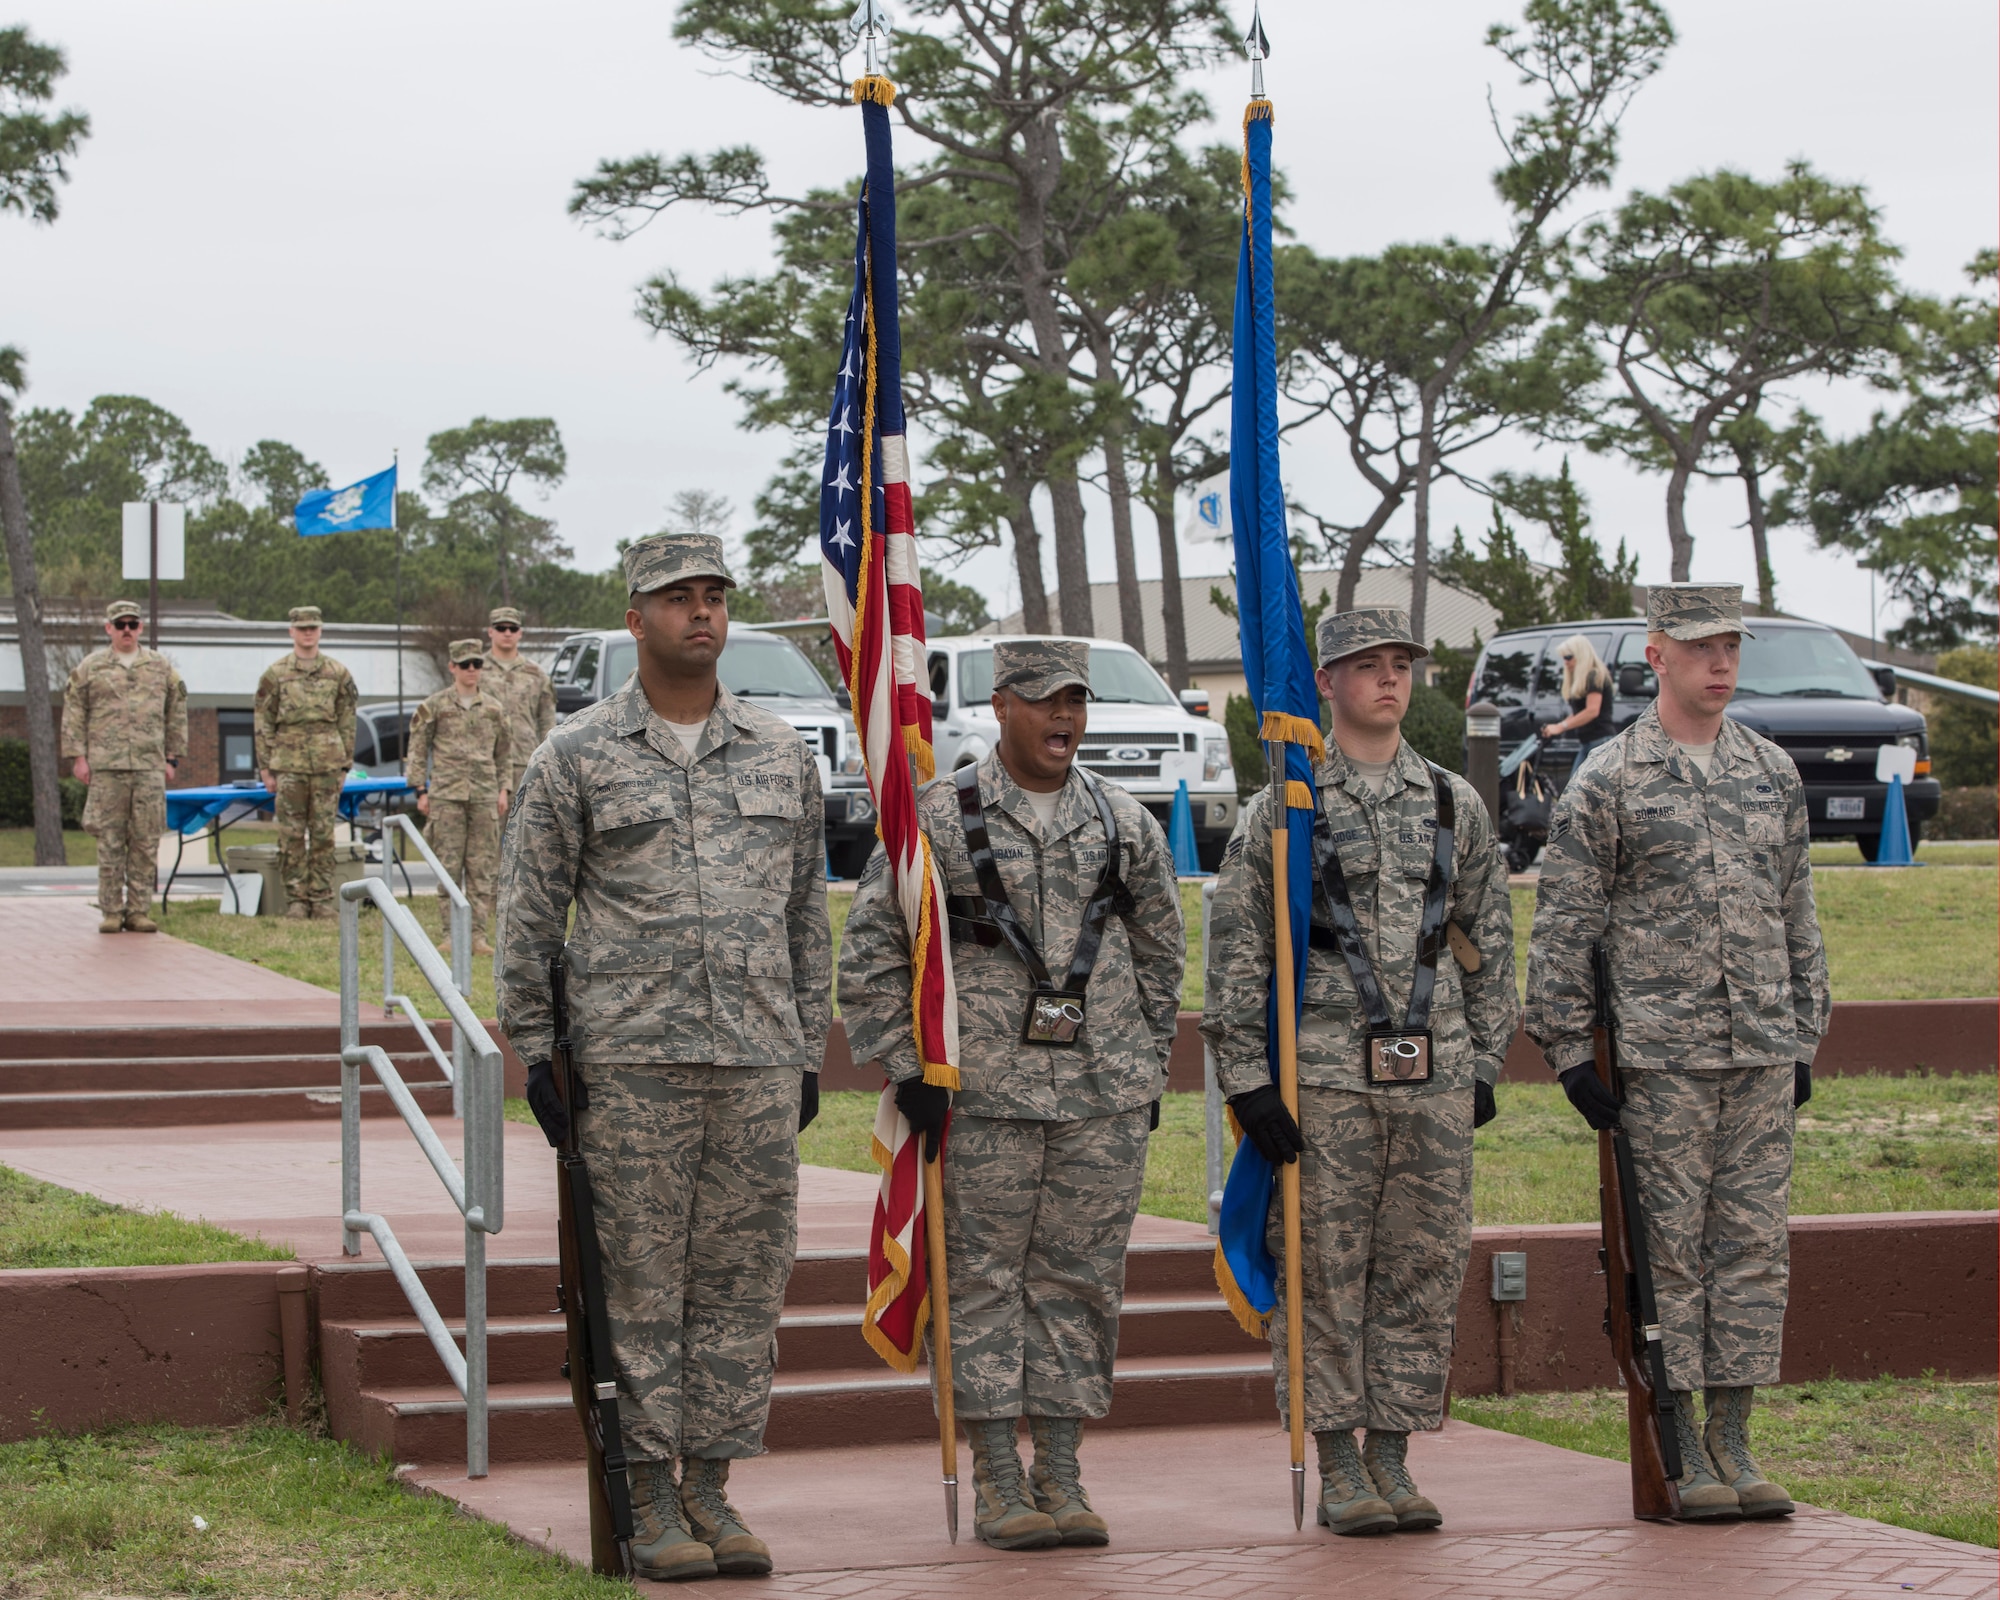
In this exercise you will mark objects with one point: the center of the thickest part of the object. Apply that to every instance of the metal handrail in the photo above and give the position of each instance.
(477, 1093)
(400, 824)
(1212, 1091)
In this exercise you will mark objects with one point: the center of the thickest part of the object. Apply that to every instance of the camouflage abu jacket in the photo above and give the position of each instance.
(1704, 891)
(529, 699)
(1133, 999)
(699, 885)
(1385, 846)
(458, 751)
(125, 719)
(305, 716)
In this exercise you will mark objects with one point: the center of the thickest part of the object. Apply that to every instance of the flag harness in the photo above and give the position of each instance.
(1055, 1014)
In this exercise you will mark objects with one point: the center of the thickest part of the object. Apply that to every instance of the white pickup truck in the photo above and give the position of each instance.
(1137, 727)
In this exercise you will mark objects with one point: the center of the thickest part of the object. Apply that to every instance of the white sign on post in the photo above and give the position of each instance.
(1895, 761)
(1180, 766)
(138, 541)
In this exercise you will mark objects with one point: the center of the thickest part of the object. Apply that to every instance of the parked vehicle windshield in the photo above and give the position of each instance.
(1804, 661)
(752, 664)
(1117, 677)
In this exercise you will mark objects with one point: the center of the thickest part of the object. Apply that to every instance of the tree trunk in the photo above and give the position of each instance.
(43, 755)
(1752, 474)
(1677, 528)
(1173, 620)
(1420, 538)
(1027, 552)
(1131, 615)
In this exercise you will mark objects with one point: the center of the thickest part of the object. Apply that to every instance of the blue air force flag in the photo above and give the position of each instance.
(371, 503)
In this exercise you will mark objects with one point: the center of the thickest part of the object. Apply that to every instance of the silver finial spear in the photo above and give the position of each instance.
(871, 23)
(1260, 51)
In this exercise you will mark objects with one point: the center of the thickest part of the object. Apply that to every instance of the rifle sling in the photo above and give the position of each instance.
(1345, 933)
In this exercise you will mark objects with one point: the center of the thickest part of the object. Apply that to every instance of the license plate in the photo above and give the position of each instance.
(1846, 808)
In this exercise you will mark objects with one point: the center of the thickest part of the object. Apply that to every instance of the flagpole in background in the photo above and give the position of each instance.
(395, 483)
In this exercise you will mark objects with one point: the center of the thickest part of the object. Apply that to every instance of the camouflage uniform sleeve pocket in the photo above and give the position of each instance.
(308, 700)
(770, 1010)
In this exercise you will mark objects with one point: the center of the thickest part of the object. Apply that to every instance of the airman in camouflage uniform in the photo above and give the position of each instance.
(306, 704)
(1385, 1170)
(459, 753)
(520, 686)
(1047, 1151)
(125, 725)
(1692, 864)
(699, 988)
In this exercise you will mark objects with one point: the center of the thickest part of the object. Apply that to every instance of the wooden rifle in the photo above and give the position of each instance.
(1631, 1315)
(593, 1379)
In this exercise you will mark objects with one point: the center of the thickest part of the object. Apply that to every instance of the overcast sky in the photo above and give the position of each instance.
(342, 224)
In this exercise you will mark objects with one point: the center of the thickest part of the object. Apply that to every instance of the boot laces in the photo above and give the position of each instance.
(1003, 1460)
(704, 1483)
(1390, 1458)
(1734, 1436)
(659, 1504)
(1056, 1457)
(1340, 1466)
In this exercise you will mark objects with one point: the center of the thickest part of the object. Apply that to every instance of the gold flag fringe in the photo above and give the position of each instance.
(1298, 796)
(1281, 727)
(877, 89)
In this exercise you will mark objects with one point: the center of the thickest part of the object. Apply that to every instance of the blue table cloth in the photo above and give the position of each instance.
(191, 810)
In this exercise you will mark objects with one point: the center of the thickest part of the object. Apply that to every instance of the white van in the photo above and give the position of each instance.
(1136, 728)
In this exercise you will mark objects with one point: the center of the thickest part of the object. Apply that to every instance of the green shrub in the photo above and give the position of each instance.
(1966, 813)
(1435, 727)
(17, 795)
(1965, 738)
(1246, 750)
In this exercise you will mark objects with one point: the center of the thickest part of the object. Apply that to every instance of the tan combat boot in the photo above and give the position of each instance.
(139, 922)
(716, 1523)
(1727, 1435)
(480, 947)
(1057, 1481)
(1705, 1497)
(663, 1547)
(1387, 1458)
(1348, 1503)
(1001, 1514)
(111, 922)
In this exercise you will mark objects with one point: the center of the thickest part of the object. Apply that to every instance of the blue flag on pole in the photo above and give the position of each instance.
(1279, 667)
(371, 503)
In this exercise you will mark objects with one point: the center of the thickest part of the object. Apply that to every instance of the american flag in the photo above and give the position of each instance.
(867, 540)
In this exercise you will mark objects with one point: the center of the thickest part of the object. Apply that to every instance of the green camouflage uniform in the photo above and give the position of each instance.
(305, 740)
(699, 991)
(1703, 891)
(1047, 1149)
(458, 754)
(1386, 1178)
(524, 691)
(127, 722)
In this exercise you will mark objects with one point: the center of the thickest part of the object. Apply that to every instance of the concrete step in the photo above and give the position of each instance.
(177, 1108)
(168, 1074)
(842, 1406)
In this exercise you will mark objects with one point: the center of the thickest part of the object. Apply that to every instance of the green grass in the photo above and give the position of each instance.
(286, 1513)
(1918, 1453)
(1937, 852)
(1864, 1144)
(42, 1225)
(17, 848)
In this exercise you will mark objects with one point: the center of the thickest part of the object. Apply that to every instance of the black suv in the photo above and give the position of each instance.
(775, 673)
(1801, 686)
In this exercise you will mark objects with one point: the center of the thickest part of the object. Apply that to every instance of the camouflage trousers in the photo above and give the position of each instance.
(466, 836)
(127, 812)
(1385, 1190)
(1037, 1216)
(696, 1176)
(1714, 1156)
(308, 806)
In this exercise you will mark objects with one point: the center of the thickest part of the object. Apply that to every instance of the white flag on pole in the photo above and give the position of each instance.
(1207, 521)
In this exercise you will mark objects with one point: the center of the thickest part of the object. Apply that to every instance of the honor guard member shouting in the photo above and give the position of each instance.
(1682, 845)
(1409, 1010)
(685, 828)
(125, 726)
(305, 744)
(1067, 950)
(521, 687)
(459, 755)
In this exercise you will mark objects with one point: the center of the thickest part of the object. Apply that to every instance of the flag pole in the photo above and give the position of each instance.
(941, 1336)
(395, 486)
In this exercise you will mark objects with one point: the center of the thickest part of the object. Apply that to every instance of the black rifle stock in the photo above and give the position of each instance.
(1631, 1316)
(593, 1383)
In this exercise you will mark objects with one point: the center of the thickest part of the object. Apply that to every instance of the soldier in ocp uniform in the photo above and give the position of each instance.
(458, 761)
(685, 828)
(1683, 845)
(306, 705)
(1389, 1090)
(125, 726)
(521, 687)
(1062, 1070)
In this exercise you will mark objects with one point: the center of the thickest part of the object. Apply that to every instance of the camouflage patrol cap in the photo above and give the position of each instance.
(464, 650)
(121, 608)
(1695, 610)
(1036, 668)
(1348, 633)
(303, 616)
(504, 614)
(663, 558)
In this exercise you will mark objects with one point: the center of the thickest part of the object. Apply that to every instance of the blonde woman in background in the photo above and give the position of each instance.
(1586, 689)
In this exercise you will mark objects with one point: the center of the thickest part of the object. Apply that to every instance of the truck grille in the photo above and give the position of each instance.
(1112, 755)
(1837, 761)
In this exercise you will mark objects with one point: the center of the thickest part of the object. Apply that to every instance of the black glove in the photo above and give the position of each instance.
(924, 1106)
(1261, 1113)
(1592, 1100)
(546, 1103)
(1801, 1083)
(808, 1099)
(1153, 1117)
(1483, 1108)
